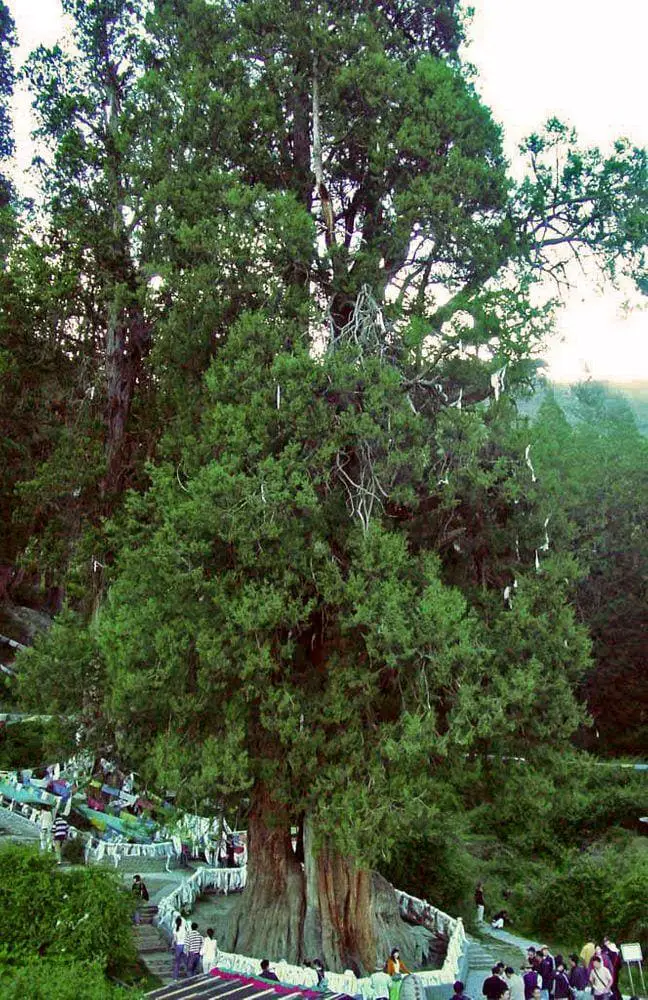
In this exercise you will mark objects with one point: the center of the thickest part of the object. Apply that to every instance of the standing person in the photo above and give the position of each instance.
(599, 952)
(60, 831)
(480, 902)
(193, 944)
(610, 950)
(45, 822)
(380, 983)
(600, 979)
(561, 986)
(141, 894)
(515, 983)
(209, 951)
(578, 977)
(395, 966)
(493, 986)
(531, 979)
(587, 953)
(318, 965)
(546, 969)
(178, 943)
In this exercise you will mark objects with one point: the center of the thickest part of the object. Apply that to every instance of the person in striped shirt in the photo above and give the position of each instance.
(60, 831)
(193, 944)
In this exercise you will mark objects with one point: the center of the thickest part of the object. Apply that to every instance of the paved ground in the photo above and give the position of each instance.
(492, 946)
(159, 884)
(512, 939)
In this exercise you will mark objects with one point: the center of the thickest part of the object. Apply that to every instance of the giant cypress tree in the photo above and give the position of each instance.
(308, 606)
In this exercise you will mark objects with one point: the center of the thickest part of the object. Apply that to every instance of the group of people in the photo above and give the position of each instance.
(385, 975)
(200, 954)
(500, 918)
(594, 972)
(190, 948)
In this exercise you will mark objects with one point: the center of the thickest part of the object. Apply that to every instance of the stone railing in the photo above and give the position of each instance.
(184, 896)
(437, 920)
(234, 879)
(98, 851)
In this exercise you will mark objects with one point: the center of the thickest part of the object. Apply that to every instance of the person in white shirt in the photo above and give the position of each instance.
(46, 822)
(380, 983)
(209, 951)
(600, 978)
(515, 983)
(178, 943)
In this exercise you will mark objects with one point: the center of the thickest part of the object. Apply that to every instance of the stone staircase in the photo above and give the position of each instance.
(484, 952)
(152, 946)
(479, 957)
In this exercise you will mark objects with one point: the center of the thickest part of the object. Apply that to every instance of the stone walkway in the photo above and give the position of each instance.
(491, 947)
(152, 945)
(512, 939)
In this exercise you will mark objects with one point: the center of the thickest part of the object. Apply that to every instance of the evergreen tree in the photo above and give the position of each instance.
(314, 603)
(93, 216)
(593, 461)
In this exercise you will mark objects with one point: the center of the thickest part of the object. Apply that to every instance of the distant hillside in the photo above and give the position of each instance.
(634, 393)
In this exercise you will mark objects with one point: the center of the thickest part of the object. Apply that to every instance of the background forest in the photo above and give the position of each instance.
(288, 520)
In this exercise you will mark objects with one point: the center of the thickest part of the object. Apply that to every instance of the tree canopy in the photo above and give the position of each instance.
(292, 294)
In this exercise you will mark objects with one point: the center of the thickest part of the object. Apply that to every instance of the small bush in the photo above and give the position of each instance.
(60, 979)
(84, 914)
(73, 852)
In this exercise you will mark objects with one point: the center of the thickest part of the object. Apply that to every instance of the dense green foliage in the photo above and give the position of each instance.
(34, 744)
(286, 293)
(593, 463)
(539, 838)
(64, 929)
(60, 979)
(610, 883)
(82, 913)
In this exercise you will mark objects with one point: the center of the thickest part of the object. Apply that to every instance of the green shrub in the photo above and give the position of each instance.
(436, 867)
(601, 891)
(60, 979)
(84, 914)
(74, 852)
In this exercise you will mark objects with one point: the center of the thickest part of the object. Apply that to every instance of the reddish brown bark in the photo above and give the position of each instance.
(270, 917)
(345, 900)
(327, 909)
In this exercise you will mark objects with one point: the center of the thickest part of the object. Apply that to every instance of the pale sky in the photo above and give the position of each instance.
(581, 60)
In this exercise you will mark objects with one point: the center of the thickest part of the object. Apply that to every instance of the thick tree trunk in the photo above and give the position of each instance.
(327, 909)
(269, 919)
(345, 901)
